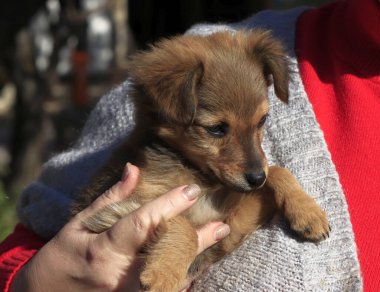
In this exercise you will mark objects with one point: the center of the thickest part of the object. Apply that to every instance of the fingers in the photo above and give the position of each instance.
(210, 234)
(118, 192)
(128, 235)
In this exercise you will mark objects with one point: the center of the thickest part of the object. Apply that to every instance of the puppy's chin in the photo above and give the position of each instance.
(243, 188)
(240, 185)
(240, 188)
(231, 180)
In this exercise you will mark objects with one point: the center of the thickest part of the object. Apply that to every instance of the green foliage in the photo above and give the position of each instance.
(8, 218)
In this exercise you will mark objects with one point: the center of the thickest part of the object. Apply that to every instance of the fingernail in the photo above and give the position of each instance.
(222, 232)
(126, 171)
(191, 192)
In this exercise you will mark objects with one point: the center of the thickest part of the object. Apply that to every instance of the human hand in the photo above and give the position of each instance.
(77, 259)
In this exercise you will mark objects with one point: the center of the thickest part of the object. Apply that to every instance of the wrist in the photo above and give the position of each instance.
(22, 281)
(33, 276)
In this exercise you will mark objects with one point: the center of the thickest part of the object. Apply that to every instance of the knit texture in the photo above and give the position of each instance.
(272, 259)
(44, 205)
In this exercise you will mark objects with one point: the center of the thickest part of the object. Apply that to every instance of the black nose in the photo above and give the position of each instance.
(255, 179)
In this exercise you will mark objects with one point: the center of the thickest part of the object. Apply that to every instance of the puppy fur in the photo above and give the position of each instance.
(201, 104)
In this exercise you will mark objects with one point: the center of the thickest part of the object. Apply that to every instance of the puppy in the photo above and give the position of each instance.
(201, 105)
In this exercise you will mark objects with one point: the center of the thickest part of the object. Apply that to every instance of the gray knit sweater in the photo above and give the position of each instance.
(272, 259)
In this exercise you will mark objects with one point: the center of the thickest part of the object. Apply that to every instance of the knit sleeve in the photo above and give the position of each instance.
(44, 205)
(16, 250)
(272, 259)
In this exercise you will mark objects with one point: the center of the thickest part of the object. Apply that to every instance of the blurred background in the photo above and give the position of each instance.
(57, 58)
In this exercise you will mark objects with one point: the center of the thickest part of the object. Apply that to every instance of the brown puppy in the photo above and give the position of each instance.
(201, 104)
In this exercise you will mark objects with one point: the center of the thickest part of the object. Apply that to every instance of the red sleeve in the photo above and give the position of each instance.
(338, 54)
(15, 251)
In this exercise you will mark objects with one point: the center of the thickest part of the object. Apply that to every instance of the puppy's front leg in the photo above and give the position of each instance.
(301, 211)
(109, 215)
(169, 255)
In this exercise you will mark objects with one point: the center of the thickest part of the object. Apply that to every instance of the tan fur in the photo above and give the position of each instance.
(170, 257)
(187, 91)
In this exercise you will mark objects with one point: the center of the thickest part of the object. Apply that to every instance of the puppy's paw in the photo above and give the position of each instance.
(165, 280)
(109, 215)
(307, 219)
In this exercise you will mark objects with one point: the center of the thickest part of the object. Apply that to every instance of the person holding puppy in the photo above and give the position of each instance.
(104, 261)
(327, 135)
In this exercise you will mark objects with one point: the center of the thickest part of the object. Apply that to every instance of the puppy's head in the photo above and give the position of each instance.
(208, 99)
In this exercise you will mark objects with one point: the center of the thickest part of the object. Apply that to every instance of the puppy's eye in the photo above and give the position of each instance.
(262, 121)
(218, 131)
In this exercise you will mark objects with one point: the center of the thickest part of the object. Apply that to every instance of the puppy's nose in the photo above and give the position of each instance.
(255, 179)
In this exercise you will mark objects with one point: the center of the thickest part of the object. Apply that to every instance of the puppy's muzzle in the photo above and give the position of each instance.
(255, 179)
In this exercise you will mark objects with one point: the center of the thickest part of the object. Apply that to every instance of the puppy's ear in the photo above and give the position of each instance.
(169, 75)
(271, 54)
